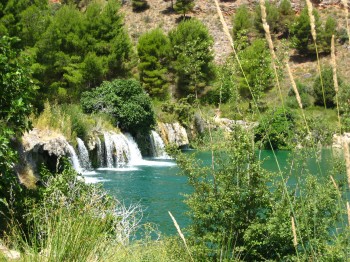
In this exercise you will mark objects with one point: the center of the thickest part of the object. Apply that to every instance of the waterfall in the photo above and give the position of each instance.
(135, 154)
(74, 159)
(99, 152)
(109, 149)
(158, 147)
(83, 155)
(122, 152)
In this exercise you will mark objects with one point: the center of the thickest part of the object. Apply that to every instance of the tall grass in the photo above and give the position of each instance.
(70, 121)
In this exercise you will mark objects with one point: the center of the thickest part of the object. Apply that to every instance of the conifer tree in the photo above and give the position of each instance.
(153, 49)
(183, 6)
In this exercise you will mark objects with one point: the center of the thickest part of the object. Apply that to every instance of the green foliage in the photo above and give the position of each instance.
(240, 211)
(287, 16)
(326, 36)
(300, 31)
(125, 101)
(182, 111)
(192, 57)
(153, 49)
(272, 17)
(328, 88)
(139, 5)
(276, 129)
(224, 88)
(344, 106)
(16, 93)
(304, 93)
(255, 61)
(79, 50)
(183, 6)
(241, 21)
(226, 200)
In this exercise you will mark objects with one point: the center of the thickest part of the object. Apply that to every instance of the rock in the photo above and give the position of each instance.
(339, 140)
(173, 133)
(9, 254)
(43, 146)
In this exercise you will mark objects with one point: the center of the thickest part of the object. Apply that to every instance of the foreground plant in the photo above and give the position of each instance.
(240, 211)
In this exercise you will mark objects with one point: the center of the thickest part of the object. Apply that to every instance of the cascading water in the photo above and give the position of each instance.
(122, 152)
(158, 147)
(109, 149)
(74, 159)
(135, 154)
(83, 155)
(100, 154)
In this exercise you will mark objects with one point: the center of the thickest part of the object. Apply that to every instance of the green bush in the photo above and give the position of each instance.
(276, 129)
(125, 101)
(255, 62)
(242, 21)
(139, 5)
(272, 17)
(192, 56)
(304, 93)
(240, 211)
(324, 91)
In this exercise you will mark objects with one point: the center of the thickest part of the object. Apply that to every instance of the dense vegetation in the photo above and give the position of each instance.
(70, 65)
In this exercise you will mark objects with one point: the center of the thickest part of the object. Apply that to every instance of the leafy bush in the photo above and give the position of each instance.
(272, 17)
(325, 97)
(304, 93)
(242, 21)
(276, 129)
(255, 61)
(240, 211)
(139, 5)
(16, 94)
(191, 52)
(125, 101)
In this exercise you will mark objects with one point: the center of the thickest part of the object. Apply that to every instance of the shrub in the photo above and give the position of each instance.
(325, 97)
(125, 101)
(304, 93)
(241, 20)
(191, 52)
(276, 129)
(255, 61)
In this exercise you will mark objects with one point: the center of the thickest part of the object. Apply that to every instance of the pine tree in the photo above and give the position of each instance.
(183, 6)
(153, 49)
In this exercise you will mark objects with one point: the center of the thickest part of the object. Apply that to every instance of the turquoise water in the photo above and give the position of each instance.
(157, 186)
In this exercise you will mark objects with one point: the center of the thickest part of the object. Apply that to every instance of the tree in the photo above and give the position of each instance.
(326, 34)
(241, 21)
(286, 14)
(183, 6)
(328, 88)
(16, 94)
(300, 31)
(272, 17)
(80, 50)
(191, 52)
(153, 49)
(125, 101)
(256, 64)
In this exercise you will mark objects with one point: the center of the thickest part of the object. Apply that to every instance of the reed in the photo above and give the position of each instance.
(347, 159)
(271, 47)
(346, 11)
(295, 240)
(335, 77)
(314, 37)
(180, 234)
